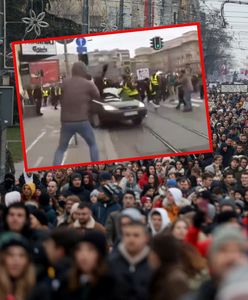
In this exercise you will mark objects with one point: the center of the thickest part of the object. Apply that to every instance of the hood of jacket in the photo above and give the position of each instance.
(165, 220)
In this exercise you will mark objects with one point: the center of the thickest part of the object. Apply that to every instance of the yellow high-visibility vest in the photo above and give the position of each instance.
(151, 89)
(154, 79)
(130, 92)
(58, 91)
(45, 93)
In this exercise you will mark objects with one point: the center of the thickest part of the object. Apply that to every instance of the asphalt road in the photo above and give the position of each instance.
(164, 131)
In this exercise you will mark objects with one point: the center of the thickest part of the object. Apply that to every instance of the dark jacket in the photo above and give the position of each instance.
(78, 92)
(81, 192)
(101, 210)
(50, 213)
(105, 289)
(133, 279)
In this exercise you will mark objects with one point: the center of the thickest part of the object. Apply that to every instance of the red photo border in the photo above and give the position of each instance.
(121, 159)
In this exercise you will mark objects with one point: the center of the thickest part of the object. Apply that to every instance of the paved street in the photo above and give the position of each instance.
(163, 131)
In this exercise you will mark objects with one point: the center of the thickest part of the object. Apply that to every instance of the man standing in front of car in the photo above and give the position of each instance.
(77, 94)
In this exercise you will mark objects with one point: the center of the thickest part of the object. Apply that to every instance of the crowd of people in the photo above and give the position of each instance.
(171, 228)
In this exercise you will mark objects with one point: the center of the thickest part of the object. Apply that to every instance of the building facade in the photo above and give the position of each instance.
(177, 54)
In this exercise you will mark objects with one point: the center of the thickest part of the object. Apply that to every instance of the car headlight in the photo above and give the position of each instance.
(141, 104)
(109, 107)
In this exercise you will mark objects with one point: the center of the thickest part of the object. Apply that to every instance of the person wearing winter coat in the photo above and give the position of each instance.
(89, 278)
(158, 220)
(17, 276)
(76, 188)
(169, 280)
(173, 202)
(112, 223)
(106, 205)
(129, 182)
(8, 185)
(44, 205)
(85, 221)
(129, 262)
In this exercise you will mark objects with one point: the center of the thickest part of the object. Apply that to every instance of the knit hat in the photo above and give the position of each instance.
(9, 239)
(234, 286)
(76, 176)
(31, 186)
(132, 213)
(40, 216)
(177, 195)
(224, 234)
(97, 239)
(12, 197)
(105, 176)
(171, 183)
(227, 202)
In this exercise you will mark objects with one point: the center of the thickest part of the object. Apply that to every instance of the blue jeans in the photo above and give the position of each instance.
(68, 129)
(187, 100)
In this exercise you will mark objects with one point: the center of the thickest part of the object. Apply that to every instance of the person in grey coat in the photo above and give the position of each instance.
(77, 94)
(187, 88)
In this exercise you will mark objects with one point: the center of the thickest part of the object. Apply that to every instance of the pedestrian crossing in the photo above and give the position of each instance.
(172, 104)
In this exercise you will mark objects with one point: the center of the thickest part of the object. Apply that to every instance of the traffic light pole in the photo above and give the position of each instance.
(2, 145)
(150, 13)
(121, 15)
(1, 40)
(85, 17)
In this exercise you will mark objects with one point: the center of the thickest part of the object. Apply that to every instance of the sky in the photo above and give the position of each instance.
(237, 17)
(129, 40)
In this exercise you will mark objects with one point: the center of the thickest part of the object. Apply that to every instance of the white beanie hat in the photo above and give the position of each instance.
(12, 197)
(177, 195)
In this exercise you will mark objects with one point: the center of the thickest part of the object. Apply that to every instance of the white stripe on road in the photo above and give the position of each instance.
(39, 160)
(36, 141)
(109, 146)
(66, 152)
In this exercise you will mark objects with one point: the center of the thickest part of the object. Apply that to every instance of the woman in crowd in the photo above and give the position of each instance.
(17, 276)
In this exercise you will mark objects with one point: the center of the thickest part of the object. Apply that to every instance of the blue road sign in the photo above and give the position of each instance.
(81, 42)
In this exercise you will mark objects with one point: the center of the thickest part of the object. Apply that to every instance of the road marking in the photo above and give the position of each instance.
(36, 141)
(109, 146)
(66, 152)
(39, 160)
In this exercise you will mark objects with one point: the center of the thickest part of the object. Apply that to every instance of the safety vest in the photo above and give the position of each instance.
(154, 80)
(151, 89)
(58, 91)
(130, 92)
(45, 93)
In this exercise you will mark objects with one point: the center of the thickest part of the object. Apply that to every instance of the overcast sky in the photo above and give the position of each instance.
(237, 17)
(129, 40)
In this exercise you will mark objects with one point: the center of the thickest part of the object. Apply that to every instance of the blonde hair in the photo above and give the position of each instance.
(23, 285)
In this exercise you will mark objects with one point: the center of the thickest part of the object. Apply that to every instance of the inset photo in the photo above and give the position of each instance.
(112, 96)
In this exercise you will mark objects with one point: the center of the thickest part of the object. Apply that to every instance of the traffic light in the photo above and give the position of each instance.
(157, 43)
(24, 68)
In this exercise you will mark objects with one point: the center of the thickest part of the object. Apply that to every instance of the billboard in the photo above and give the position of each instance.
(233, 88)
(41, 48)
(6, 105)
(50, 68)
(143, 73)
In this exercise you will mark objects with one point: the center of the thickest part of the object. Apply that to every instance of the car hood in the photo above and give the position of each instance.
(123, 104)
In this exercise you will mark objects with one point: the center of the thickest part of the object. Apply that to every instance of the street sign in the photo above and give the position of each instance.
(7, 105)
(81, 42)
(142, 73)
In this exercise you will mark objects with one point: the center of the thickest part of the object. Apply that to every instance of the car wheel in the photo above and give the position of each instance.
(96, 121)
(137, 121)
